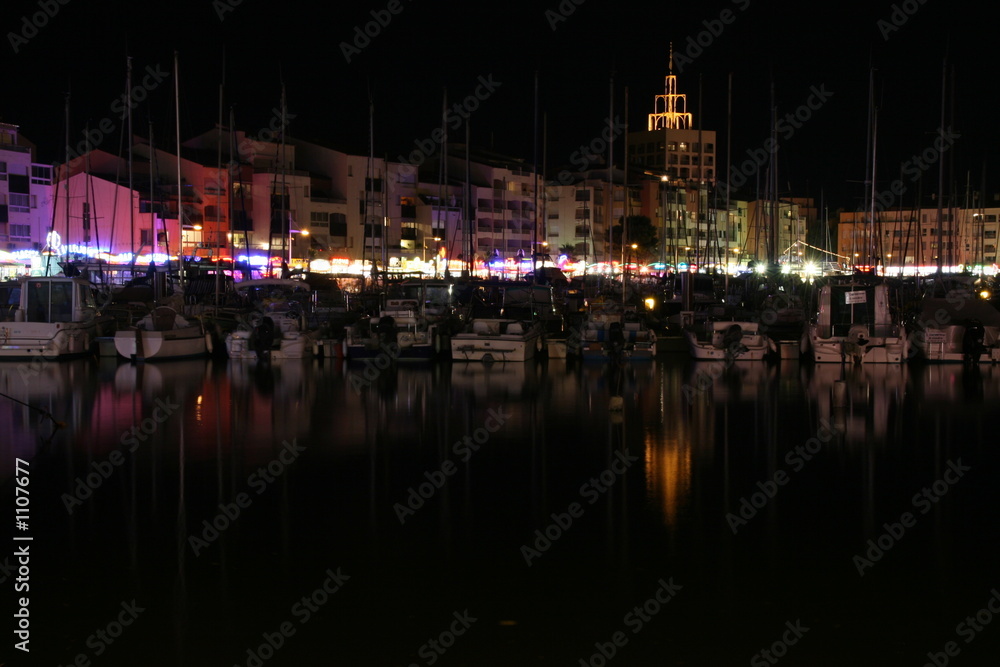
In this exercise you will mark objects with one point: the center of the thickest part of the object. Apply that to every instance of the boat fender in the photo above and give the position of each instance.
(406, 339)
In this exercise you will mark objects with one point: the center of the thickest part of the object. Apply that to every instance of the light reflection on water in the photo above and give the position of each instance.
(703, 446)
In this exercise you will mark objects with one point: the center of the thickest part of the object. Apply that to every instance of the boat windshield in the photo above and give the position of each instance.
(49, 301)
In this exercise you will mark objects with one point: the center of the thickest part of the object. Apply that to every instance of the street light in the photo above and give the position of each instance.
(437, 239)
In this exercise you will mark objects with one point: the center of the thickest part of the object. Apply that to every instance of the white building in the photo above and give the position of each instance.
(25, 189)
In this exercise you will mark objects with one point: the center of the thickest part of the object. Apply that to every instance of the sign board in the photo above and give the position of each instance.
(859, 296)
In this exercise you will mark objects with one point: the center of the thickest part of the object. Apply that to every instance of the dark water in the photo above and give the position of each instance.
(640, 562)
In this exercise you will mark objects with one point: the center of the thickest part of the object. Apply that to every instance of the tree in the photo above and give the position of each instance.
(567, 249)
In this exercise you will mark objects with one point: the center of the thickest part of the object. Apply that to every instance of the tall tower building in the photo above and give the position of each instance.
(681, 158)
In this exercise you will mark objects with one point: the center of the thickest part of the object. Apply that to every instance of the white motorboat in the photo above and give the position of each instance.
(855, 324)
(728, 341)
(497, 339)
(400, 332)
(276, 327)
(957, 328)
(57, 318)
(611, 329)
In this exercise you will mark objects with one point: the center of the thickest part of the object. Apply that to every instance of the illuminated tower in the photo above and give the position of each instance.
(670, 108)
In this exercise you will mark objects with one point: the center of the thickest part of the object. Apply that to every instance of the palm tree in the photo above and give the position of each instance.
(568, 250)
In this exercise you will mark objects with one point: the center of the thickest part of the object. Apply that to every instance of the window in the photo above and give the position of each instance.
(990, 234)
(20, 232)
(321, 217)
(41, 175)
(19, 203)
(305, 191)
(338, 224)
(145, 237)
(583, 195)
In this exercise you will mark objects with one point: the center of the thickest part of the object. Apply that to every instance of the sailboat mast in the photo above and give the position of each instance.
(609, 207)
(729, 180)
(128, 139)
(468, 196)
(534, 233)
(66, 241)
(180, 197)
(940, 193)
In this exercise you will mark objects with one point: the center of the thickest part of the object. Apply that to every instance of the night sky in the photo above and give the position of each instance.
(426, 48)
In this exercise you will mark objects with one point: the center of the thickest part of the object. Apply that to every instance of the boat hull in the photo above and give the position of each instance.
(729, 340)
(182, 343)
(24, 340)
(839, 349)
(292, 345)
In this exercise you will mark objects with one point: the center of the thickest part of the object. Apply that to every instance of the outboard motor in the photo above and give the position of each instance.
(616, 342)
(732, 341)
(263, 337)
(387, 330)
(972, 342)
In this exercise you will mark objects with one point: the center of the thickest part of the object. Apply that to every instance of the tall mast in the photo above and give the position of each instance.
(66, 241)
(131, 205)
(180, 197)
(468, 197)
(610, 205)
(729, 145)
(286, 228)
(534, 232)
(940, 194)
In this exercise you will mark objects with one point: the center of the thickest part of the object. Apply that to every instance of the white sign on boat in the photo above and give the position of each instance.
(858, 296)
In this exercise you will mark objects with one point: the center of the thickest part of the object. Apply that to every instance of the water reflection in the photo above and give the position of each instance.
(702, 446)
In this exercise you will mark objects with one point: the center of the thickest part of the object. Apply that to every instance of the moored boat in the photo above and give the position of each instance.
(728, 340)
(56, 318)
(276, 327)
(497, 339)
(855, 324)
(161, 335)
